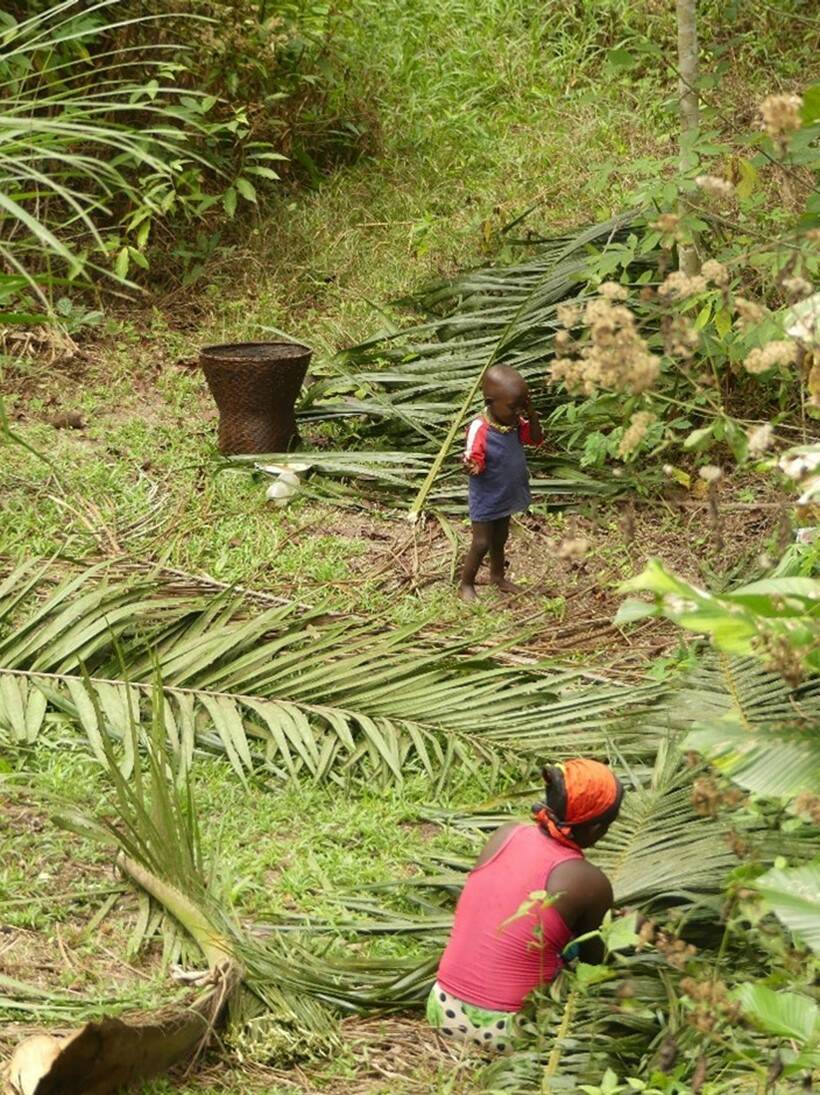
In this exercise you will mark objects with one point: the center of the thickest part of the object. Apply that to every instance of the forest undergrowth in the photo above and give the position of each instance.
(286, 714)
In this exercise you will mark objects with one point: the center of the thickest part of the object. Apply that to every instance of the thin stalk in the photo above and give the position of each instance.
(688, 65)
(555, 1053)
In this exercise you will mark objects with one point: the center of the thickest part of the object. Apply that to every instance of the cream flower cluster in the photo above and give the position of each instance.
(781, 352)
(635, 432)
(616, 358)
(781, 114)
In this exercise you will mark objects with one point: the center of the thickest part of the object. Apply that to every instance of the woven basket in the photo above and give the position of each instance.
(255, 386)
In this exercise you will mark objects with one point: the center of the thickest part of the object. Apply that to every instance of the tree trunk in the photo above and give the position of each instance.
(688, 261)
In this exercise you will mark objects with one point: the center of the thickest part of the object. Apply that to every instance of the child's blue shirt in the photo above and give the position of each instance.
(502, 484)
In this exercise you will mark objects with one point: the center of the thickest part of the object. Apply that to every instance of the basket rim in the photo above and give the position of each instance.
(222, 351)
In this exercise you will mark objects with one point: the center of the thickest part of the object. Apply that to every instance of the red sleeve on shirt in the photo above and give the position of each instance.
(475, 449)
(525, 433)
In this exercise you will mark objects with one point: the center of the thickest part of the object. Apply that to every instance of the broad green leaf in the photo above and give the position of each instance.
(745, 185)
(810, 112)
(618, 932)
(246, 189)
(786, 1014)
(537, 899)
(122, 262)
(263, 173)
(586, 975)
(781, 587)
(632, 610)
(621, 59)
(680, 476)
(723, 322)
(793, 894)
(697, 439)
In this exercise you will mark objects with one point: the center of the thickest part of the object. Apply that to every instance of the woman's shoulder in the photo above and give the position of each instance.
(498, 840)
(578, 874)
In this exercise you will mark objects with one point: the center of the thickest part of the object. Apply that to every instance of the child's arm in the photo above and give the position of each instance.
(535, 433)
(475, 449)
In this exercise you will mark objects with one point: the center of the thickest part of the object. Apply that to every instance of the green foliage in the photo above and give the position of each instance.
(606, 1029)
(85, 92)
(414, 387)
(777, 619)
(776, 752)
(719, 358)
(677, 373)
(794, 894)
(785, 1013)
(284, 692)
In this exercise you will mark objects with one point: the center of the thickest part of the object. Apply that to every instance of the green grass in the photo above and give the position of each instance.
(482, 111)
(477, 111)
(277, 850)
(309, 843)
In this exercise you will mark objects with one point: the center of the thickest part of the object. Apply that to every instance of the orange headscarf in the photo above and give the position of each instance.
(592, 790)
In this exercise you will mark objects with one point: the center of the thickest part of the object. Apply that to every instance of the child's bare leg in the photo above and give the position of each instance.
(481, 544)
(500, 532)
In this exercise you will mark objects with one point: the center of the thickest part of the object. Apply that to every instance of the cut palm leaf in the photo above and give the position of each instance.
(414, 387)
(282, 692)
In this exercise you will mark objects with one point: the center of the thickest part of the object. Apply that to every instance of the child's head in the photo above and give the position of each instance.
(505, 394)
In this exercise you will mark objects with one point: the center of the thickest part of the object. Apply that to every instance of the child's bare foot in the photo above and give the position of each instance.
(467, 592)
(504, 585)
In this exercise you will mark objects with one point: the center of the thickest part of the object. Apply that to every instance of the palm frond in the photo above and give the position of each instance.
(20, 1000)
(794, 895)
(411, 389)
(156, 838)
(72, 142)
(753, 727)
(390, 478)
(659, 853)
(283, 692)
(573, 1033)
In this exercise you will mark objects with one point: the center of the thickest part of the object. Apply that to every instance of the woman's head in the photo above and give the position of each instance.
(583, 798)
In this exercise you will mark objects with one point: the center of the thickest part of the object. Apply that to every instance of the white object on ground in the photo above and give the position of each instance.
(287, 482)
(802, 321)
(282, 490)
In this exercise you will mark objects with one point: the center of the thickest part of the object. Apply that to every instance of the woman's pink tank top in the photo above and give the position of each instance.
(494, 961)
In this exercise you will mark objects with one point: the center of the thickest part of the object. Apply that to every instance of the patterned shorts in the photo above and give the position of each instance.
(467, 1023)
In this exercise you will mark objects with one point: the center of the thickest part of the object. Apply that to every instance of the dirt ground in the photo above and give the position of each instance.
(567, 600)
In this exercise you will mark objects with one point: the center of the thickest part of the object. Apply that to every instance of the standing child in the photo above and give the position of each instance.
(499, 481)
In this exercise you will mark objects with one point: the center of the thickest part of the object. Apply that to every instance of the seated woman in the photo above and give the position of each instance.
(499, 952)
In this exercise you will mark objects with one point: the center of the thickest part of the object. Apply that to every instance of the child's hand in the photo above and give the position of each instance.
(472, 467)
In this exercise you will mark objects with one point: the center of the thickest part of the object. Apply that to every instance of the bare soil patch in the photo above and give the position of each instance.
(567, 603)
